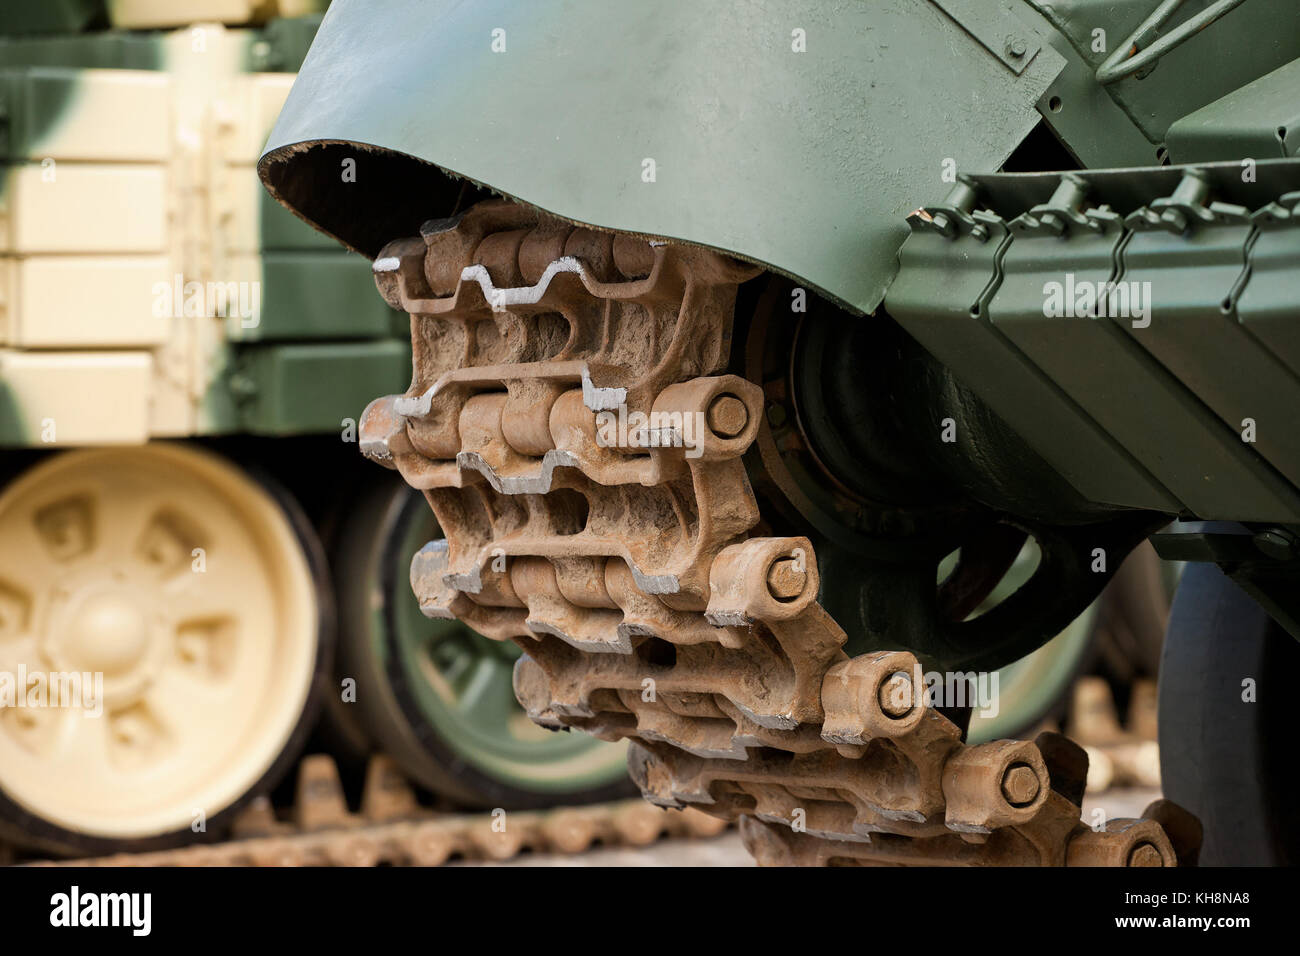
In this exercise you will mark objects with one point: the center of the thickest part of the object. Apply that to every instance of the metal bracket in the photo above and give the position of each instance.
(997, 29)
(1264, 563)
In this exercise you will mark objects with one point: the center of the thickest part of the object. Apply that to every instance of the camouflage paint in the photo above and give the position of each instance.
(167, 125)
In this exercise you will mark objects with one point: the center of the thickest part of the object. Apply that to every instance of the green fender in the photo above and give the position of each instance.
(793, 133)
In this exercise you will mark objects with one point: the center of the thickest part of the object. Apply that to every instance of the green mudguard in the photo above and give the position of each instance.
(793, 134)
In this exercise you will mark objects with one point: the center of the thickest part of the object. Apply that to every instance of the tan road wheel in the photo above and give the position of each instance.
(186, 595)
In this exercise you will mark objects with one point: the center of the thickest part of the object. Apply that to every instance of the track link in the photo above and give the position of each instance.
(627, 561)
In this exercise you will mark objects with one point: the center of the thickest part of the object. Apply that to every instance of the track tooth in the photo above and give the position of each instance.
(594, 632)
(399, 273)
(319, 802)
(699, 737)
(387, 795)
(257, 819)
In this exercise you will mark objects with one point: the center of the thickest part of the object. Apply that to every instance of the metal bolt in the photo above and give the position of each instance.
(1276, 544)
(785, 580)
(1070, 192)
(1053, 222)
(1193, 189)
(895, 695)
(1020, 785)
(1175, 218)
(1144, 854)
(963, 195)
(728, 416)
(1016, 48)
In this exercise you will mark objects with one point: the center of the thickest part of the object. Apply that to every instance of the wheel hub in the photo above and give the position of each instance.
(110, 634)
(111, 626)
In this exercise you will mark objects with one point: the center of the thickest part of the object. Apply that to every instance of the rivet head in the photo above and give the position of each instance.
(1144, 854)
(1020, 785)
(896, 694)
(785, 579)
(728, 416)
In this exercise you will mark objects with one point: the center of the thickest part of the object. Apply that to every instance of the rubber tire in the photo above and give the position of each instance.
(1229, 762)
(27, 830)
(367, 551)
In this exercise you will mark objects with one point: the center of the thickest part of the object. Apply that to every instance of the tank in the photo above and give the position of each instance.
(199, 577)
(752, 345)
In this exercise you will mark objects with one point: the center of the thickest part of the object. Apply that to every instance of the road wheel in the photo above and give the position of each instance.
(1033, 688)
(1121, 632)
(436, 695)
(190, 593)
(1228, 759)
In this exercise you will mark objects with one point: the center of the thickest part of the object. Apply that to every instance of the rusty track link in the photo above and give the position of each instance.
(633, 578)
(393, 829)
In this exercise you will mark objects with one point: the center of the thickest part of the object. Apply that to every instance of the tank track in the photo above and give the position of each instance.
(638, 582)
(392, 828)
